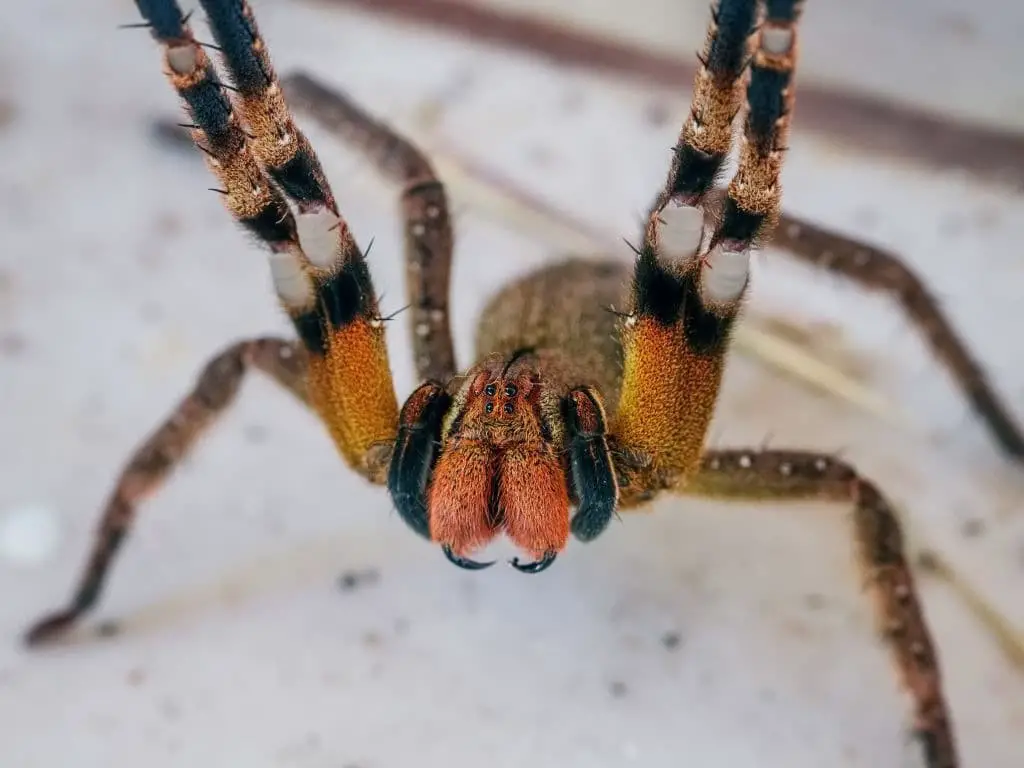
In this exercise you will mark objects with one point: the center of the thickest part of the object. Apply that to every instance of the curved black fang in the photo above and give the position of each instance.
(541, 565)
(464, 562)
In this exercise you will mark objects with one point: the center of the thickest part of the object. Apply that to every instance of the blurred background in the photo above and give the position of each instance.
(270, 609)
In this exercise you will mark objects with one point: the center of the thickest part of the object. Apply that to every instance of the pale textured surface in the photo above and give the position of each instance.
(946, 55)
(119, 275)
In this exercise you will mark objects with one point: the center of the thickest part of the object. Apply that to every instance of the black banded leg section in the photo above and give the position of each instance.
(348, 295)
(706, 137)
(342, 298)
(668, 296)
(276, 140)
(164, 18)
(783, 10)
(216, 130)
(238, 39)
(751, 210)
(416, 449)
(590, 463)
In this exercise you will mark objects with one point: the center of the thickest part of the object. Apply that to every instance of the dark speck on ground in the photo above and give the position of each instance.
(658, 114)
(255, 433)
(349, 581)
(108, 629)
(12, 344)
(814, 601)
(7, 113)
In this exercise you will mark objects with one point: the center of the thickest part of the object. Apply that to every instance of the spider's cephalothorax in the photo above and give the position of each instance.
(595, 381)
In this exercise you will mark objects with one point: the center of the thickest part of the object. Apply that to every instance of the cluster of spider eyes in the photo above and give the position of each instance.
(492, 389)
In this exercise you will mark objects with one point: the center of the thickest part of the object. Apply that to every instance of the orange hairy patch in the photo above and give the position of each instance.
(534, 500)
(668, 396)
(352, 390)
(459, 498)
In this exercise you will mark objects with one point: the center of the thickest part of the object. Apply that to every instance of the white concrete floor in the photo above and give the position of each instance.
(948, 56)
(701, 635)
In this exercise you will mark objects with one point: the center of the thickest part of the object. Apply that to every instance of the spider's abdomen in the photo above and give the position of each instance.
(563, 312)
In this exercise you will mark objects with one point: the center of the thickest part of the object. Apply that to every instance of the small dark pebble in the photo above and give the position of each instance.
(108, 629)
(671, 640)
(658, 114)
(928, 561)
(12, 344)
(814, 601)
(349, 581)
(255, 433)
(618, 689)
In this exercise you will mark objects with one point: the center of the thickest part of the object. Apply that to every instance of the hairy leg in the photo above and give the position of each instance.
(763, 475)
(156, 458)
(428, 229)
(878, 270)
(692, 269)
(263, 160)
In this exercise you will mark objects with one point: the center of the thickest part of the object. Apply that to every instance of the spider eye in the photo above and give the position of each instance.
(491, 390)
(489, 407)
(511, 390)
(509, 407)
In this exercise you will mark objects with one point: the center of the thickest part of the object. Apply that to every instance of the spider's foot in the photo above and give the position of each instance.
(464, 562)
(51, 628)
(541, 565)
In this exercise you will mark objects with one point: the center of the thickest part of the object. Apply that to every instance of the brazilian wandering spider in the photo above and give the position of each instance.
(569, 406)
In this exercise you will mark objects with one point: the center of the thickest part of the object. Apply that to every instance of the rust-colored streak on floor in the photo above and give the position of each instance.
(859, 120)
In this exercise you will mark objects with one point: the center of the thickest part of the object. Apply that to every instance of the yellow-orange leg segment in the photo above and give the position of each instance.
(157, 457)
(773, 475)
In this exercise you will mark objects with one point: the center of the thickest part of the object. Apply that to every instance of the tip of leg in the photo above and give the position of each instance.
(50, 629)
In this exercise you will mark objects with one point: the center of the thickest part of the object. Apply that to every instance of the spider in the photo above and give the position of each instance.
(571, 412)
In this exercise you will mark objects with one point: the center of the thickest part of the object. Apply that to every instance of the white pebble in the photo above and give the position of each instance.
(28, 534)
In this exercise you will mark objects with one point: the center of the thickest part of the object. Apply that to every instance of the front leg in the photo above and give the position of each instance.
(758, 475)
(692, 269)
(263, 160)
